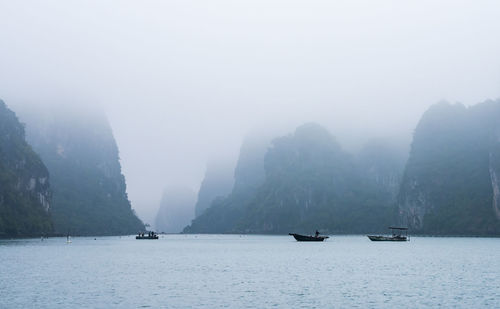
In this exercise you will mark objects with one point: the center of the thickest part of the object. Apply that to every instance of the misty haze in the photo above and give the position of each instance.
(203, 154)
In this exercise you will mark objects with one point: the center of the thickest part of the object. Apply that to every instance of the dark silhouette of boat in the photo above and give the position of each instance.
(150, 235)
(397, 235)
(299, 237)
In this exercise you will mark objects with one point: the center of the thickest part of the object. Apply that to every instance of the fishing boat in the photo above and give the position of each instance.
(150, 235)
(397, 235)
(300, 237)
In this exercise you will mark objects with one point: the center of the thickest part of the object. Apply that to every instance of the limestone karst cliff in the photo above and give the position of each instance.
(450, 184)
(89, 190)
(25, 193)
(308, 182)
(249, 175)
(217, 182)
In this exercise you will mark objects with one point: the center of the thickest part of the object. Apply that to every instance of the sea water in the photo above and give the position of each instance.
(233, 271)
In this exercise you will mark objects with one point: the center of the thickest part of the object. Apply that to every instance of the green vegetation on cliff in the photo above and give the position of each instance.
(309, 183)
(89, 191)
(452, 173)
(24, 182)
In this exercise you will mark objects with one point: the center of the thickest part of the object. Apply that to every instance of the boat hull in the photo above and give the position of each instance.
(147, 237)
(299, 237)
(387, 238)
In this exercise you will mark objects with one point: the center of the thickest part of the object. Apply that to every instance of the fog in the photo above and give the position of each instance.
(182, 82)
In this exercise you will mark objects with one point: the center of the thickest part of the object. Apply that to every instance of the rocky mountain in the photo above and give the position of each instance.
(218, 182)
(176, 209)
(382, 162)
(249, 175)
(309, 183)
(25, 193)
(451, 181)
(89, 191)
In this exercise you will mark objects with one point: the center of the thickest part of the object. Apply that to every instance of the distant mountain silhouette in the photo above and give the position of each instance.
(176, 209)
(217, 182)
(308, 182)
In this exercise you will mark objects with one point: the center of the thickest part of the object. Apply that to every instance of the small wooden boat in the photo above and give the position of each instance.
(299, 237)
(397, 235)
(147, 237)
(150, 235)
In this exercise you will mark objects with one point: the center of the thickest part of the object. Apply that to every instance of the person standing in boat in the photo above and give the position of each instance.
(317, 233)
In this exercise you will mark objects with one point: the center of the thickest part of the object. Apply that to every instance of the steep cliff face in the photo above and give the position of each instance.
(309, 183)
(494, 174)
(218, 182)
(382, 162)
(176, 209)
(249, 175)
(89, 191)
(24, 182)
(451, 178)
(494, 169)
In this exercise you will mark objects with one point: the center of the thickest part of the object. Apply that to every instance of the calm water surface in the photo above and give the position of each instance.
(231, 271)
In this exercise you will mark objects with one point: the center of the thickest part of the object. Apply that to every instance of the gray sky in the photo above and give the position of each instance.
(183, 81)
